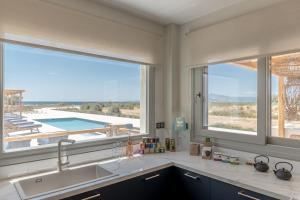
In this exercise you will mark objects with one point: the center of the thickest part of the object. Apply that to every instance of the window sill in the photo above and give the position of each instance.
(50, 151)
(233, 136)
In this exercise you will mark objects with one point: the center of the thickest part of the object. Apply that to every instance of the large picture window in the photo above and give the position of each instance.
(50, 95)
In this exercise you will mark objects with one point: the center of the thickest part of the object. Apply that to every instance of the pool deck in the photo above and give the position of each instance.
(50, 113)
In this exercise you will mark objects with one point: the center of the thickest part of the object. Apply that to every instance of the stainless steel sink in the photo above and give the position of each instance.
(54, 182)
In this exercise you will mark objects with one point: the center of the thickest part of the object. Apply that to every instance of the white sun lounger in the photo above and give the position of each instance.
(21, 123)
(15, 120)
(17, 144)
(31, 127)
(13, 116)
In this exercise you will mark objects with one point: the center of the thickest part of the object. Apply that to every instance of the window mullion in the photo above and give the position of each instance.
(268, 98)
(1, 91)
(262, 99)
(204, 93)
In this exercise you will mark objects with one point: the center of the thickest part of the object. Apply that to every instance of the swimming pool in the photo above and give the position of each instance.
(73, 124)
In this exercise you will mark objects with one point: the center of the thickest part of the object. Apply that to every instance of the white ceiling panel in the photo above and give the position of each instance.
(183, 11)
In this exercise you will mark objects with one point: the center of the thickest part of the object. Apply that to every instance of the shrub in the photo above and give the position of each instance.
(114, 110)
(85, 107)
(231, 126)
(96, 107)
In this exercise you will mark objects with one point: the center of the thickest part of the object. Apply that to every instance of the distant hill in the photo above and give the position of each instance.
(228, 99)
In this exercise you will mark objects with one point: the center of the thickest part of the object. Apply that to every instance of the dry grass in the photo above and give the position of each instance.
(233, 116)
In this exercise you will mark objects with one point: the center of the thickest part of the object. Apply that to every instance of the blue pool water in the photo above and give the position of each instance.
(73, 124)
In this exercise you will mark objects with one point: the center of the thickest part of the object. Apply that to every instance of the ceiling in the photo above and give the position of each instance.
(183, 11)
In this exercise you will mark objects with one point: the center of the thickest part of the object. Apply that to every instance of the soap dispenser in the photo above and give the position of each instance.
(129, 148)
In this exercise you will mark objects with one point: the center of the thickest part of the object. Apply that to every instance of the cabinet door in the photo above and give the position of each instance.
(151, 185)
(128, 189)
(158, 185)
(221, 191)
(192, 186)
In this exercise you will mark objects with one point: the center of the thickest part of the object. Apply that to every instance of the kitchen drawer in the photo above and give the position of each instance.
(222, 191)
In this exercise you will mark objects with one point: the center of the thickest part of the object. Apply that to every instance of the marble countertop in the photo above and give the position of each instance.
(238, 175)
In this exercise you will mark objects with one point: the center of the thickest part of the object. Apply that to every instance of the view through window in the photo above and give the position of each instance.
(50, 95)
(231, 103)
(285, 93)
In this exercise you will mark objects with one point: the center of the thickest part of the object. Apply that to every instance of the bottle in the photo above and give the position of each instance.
(207, 149)
(167, 144)
(172, 145)
(129, 148)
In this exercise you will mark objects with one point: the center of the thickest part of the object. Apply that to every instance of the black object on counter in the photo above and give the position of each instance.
(260, 165)
(283, 173)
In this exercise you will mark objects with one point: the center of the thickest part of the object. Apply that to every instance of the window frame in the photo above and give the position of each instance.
(50, 151)
(263, 140)
(260, 138)
(286, 142)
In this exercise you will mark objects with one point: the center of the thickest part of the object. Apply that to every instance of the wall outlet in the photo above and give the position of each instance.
(160, 125)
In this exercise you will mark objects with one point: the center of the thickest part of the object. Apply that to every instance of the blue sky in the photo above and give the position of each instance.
(234, 81)
(55, 76)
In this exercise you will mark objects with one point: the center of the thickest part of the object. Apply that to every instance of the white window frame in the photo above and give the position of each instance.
(260, 138)
(260, 143)
(50, 151)
(278, 141)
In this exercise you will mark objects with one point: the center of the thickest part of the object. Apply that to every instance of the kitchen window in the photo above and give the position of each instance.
(231, 97)
(227, 98)
(285, 96)
(253, 100)
(50, 95)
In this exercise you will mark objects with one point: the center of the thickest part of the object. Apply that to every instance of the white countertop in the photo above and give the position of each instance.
(239, 175)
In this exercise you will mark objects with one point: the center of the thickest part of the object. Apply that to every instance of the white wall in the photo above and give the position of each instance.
(270, 30)
(171, 79)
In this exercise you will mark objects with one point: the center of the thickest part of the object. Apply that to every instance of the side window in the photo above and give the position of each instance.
(285, 96)
(230, 92)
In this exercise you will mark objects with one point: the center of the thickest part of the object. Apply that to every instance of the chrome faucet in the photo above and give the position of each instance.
(60, 164)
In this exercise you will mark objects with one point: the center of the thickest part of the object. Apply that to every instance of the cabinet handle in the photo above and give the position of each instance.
(91, 197)
(190, 176)
(241, 193)
(151, 177)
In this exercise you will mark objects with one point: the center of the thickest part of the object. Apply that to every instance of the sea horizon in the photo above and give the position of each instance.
(72, 102)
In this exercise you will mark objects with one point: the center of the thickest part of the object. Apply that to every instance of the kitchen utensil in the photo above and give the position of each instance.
(283, 173)
(260, 165)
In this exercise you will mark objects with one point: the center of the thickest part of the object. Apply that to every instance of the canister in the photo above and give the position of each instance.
(195, 149)
(172, 145)
(167, 141)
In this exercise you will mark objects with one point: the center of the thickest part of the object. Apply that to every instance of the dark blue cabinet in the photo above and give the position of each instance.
(221, 191)
(170, 183)
(158, 185)
(192, 186)
(155, 184)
